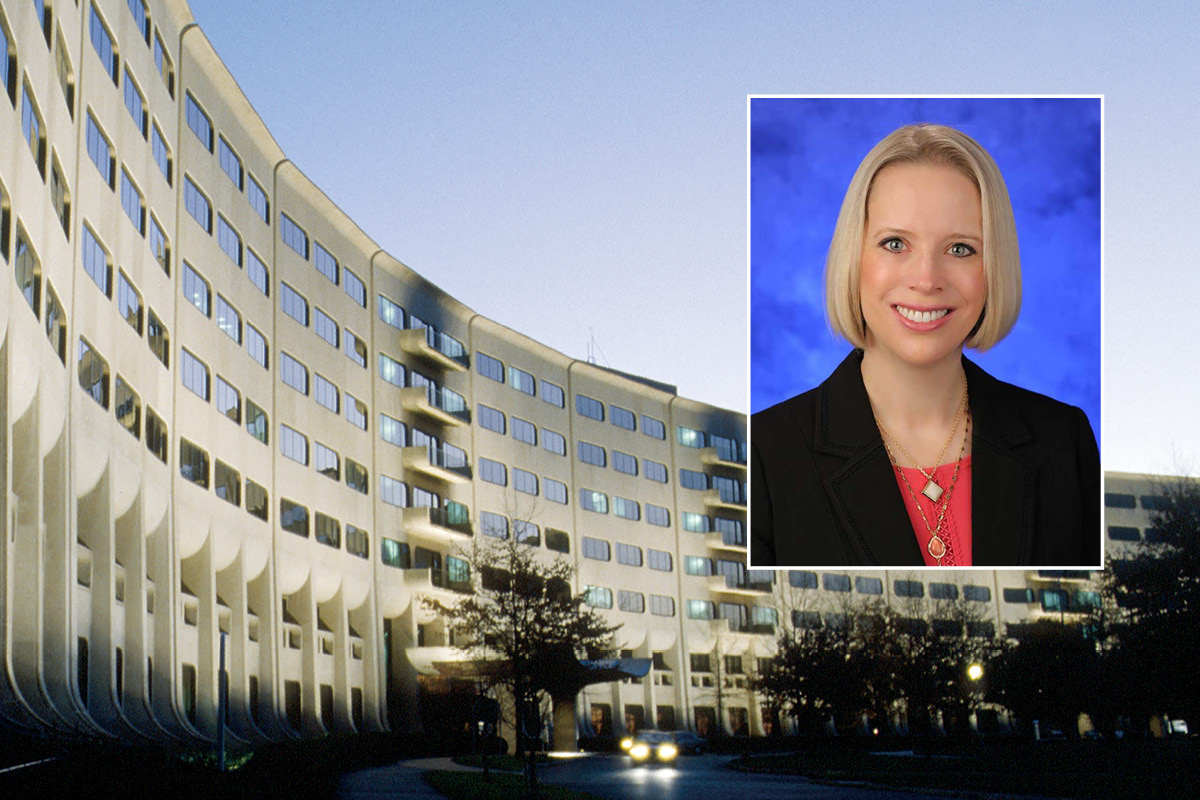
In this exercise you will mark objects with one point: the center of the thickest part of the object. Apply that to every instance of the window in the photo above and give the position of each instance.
(162, 153)
(56, 324)
(256, 500)
(662, 606)
(227, 483)
(593, 501)
(554, 442)
(257, 272)
(697, 565)
(700, 609)
(598, 597)
(909, 588)
(128, 408)
(8, 64)
(1123, 533)
(356, 476)
(623, 462)
(355, 288)
(193, 463)
(658, 559)
(160, 248)
(135, 104)
(196, 289)
(589, 407)
(293, 444)
(60, 196)
(325, 263)
(629, 555)
(597, 549)
(100, 152)
(394, 554)
(102, 41)
(62, 63)
(293, 235)
(868, 585)
(163, 62)
(327, 462)
(654, 470)
(199, 122)
(28, 272)
(626, 508)
(138, 9)
(197, 204)
(735, 614)
(622, 418)
(356, 412)
(230, 163)
(526, 532)
(654, 427)
(522, 381)
(392, 491)
(391, 370)
(657, 515)
(391, 313)
(836, 583)
(229, 240)
(689, 437)
(1018, 595)
(1117, 500)
(806, 620)
(258, 200)
(558, 541)
(493, 524)
(158, 338)
(355, 349)
(132, 202)
(524, 481)
(93, 373)
(730, 490)
(524, 431)
(228, 400)
(325, 327)
(690, 479)
(194, 374)
(493, 471)
(229, 320)
(34, 131)
(553, 394)
(326, 393)
(696, 523)
(256, 345)
(392, 430)
(489, 367)
(554, 491)
(978, 594)
(357, 541)
(491, 418)
(943, 591)
(156, 435)
(293, 373)
(634, 602)
(293, 304)
(293, 517)
(592, 454)
(257, 424)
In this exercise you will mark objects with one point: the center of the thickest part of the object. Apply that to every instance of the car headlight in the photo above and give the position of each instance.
(627, 743)
(667, 751)
(639, 751)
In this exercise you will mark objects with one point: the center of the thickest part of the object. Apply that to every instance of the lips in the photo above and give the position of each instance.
(921, 319)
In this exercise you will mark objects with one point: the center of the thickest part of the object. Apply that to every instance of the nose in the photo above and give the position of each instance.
(924, 273)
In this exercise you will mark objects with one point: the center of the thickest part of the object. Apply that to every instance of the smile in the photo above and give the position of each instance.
(913, 315)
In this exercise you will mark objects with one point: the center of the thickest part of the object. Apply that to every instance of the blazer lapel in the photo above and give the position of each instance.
(1002, 494)
(863, 492)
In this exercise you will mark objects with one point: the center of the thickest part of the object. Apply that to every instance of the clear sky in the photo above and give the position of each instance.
(575, 168)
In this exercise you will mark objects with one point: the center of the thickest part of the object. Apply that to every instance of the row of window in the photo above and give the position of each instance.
(633, 602)
(196, 378)
(756, 619)
(27, 272)
(625, 463)
(1127, 533)
(94, 379)
(598, 502)
(231, 164)
(225, 480)
(728, 448)
(199, 207)
(1150, 502)
(628, 554)
(814, 620)
(835, 582)
(731, 490)
(394, 315)
(294, 518)
(733, 531)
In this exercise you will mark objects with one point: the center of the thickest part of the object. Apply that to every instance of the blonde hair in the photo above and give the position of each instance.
(942, 146)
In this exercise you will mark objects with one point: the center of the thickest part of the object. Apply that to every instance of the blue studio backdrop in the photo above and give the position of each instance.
(803, 153)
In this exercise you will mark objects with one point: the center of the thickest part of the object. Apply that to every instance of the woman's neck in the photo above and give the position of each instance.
(917, 404)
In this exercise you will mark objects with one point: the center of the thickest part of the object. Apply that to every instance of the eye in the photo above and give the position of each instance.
(893, 244)
(961, 250)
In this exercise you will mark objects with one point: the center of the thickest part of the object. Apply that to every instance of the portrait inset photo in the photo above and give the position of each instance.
(925, 331)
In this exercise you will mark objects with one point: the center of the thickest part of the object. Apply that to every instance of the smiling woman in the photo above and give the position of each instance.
(923, 262)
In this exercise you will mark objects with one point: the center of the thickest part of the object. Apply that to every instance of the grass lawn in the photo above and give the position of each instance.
(1109, 770)
(471, 786)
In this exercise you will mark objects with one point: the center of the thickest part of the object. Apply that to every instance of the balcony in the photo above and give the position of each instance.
(436, 403)
(435, 347)
(433, 462)
(437, 523)
(746, 586)
(723, 457)
(722, 498)
(430, 579)
(729, 542)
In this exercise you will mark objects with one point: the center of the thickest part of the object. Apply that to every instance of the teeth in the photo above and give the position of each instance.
(922, 316)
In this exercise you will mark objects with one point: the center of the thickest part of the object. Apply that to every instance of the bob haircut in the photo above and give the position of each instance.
(942, 146)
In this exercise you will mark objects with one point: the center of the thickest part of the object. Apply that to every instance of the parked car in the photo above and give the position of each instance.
(689, 742)
(651, 746)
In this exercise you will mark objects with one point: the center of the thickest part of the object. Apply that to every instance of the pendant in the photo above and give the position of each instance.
(932, 491)
(937, 548)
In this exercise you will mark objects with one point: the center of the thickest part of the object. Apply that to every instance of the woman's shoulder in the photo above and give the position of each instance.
(1041, 412)
(799, 410)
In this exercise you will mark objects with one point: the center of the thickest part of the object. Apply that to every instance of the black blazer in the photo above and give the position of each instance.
(823, 491)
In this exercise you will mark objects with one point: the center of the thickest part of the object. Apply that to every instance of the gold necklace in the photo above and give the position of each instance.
(931, 490)
(937, 546)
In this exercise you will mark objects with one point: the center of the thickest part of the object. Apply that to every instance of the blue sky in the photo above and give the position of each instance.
(567, 168)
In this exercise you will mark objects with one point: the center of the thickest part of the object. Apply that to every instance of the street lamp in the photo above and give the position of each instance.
(975, 672)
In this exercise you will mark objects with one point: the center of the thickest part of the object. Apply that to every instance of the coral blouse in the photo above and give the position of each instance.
(956, 529)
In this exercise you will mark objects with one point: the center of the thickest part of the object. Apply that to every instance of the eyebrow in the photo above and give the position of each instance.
(904, 232)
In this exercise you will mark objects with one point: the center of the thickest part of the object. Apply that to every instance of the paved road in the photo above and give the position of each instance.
(611, 777)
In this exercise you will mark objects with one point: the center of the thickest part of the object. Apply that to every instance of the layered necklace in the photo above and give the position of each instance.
(938, 546)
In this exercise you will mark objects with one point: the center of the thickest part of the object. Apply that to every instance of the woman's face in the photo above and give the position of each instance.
(921, 273)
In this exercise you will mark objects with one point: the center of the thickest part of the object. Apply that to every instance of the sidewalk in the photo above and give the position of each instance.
(400, 780)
